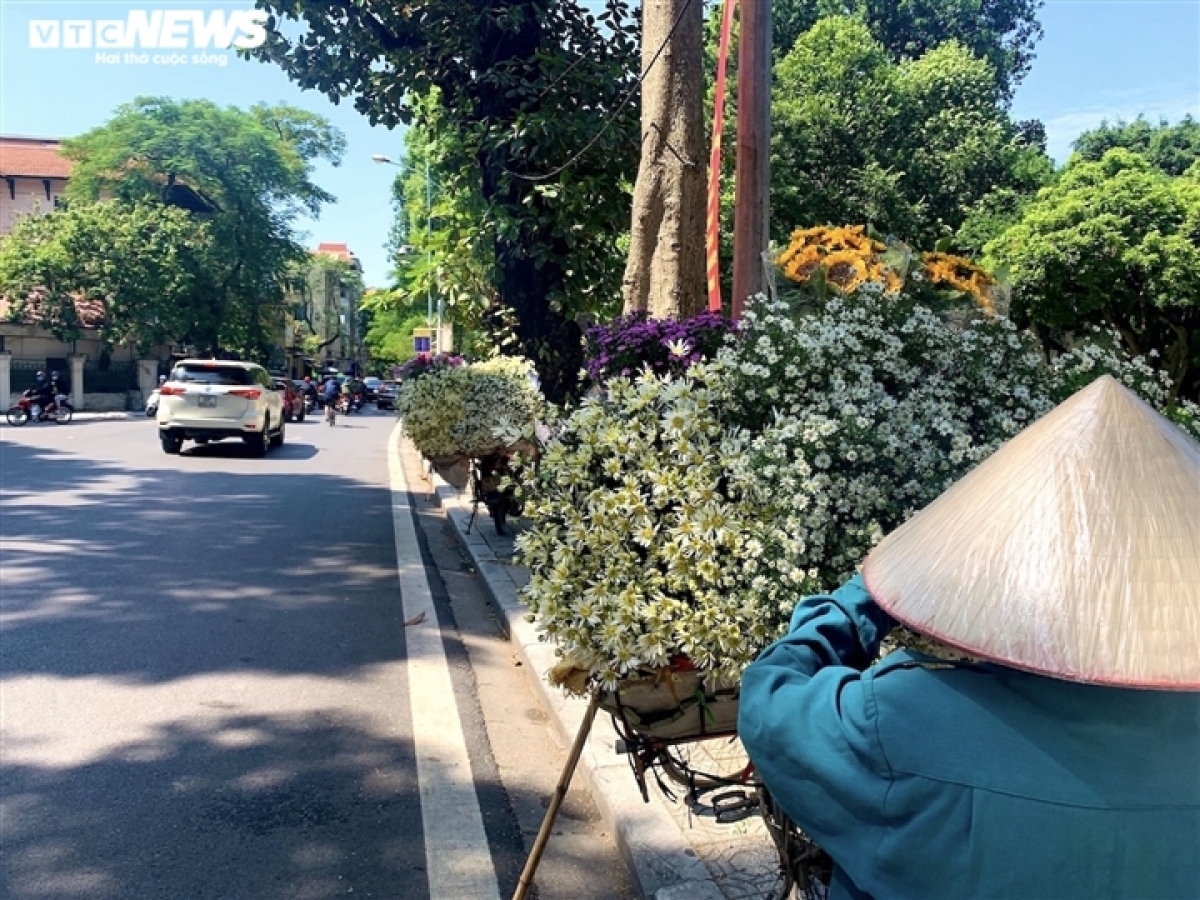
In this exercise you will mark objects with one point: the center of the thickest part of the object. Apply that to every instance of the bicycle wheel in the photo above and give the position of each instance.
(17, 416)
(63, 414)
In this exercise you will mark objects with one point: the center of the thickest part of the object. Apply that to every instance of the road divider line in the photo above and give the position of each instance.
(458, 859)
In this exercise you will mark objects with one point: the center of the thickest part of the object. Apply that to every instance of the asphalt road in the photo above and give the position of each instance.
(204, 684)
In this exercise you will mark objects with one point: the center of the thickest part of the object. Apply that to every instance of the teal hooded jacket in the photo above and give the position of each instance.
(924, 779)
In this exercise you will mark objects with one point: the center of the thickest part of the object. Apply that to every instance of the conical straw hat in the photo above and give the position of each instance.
(1073, 551)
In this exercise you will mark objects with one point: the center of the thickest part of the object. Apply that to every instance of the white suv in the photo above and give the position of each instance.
(209, 399)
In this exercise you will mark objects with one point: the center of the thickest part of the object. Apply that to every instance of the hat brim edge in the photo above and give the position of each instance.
(1099, 680)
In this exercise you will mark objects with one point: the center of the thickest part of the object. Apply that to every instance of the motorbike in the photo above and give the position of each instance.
(348, 403)
(58, 411)
(152, 403)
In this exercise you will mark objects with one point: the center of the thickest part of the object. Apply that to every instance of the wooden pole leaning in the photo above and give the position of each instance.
(560, 793)
(752, 178)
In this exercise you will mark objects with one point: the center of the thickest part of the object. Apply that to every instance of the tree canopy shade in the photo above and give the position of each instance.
(1002, 32)
(1171, 149)
(245, 173)
(145, 263)
(1115, 243)
(537, 94)
(909, 147)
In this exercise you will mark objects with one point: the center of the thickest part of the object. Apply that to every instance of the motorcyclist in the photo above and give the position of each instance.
(310, 391)
(42, 394)
(155, 395)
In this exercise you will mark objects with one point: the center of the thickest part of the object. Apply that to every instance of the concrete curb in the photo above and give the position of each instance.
(663, 865)
(86, 416)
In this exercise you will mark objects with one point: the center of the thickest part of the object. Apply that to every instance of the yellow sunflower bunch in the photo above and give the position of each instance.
(962, 275)
(847, 256)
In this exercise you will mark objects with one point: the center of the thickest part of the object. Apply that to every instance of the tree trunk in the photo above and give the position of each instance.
(551, 341)
(665, 272)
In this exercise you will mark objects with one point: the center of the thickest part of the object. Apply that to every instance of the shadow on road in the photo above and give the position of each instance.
(154, 575)
(273, 807)
(236, 449)
(140, 584)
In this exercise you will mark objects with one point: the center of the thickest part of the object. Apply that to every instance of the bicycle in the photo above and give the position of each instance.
(728, 795)
(486, 474)
(722, 786)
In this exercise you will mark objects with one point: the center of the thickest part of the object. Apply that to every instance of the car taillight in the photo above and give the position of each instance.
(168, 391)
(248, 393)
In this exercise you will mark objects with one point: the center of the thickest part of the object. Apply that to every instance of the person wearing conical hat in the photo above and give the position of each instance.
(1058, 754)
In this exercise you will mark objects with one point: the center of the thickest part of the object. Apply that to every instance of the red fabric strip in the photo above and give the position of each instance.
(713, 233)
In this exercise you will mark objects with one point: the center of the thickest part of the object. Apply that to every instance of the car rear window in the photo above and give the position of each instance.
(212, 375)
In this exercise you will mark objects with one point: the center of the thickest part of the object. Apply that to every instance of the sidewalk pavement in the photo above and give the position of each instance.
(107, 416)
(671, 853)
(86, 416)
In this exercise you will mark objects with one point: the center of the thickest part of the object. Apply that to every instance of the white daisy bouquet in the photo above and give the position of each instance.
(470, 410)
(635, 526)
(679, 519)
(863, 413)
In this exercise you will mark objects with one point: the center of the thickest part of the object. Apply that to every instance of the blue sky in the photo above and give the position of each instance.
(1098, 60)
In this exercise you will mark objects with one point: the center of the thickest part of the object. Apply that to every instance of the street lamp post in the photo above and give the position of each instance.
(429, 317)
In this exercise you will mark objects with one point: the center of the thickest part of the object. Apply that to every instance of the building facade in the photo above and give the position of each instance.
(33, 176)
(324, 331)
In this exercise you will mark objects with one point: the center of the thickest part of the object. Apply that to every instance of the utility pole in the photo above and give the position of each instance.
(435, 343)
(753, 178)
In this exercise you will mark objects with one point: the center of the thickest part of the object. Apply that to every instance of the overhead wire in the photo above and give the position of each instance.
(616, 112)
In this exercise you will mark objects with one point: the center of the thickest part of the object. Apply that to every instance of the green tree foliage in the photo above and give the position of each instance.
(442, 241)
(1002, 32)
(524, 86)
(389, 336)
(1116, 244)
(246, 173)
(145, 263)
(910, 147)
(1170, 148)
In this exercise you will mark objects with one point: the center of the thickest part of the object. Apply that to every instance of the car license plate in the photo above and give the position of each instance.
(208, 402)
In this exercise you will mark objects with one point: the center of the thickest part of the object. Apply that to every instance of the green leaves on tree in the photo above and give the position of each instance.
(520, 87)
(143, 263)
(245, 174)
(1116, 244)
(910, 147)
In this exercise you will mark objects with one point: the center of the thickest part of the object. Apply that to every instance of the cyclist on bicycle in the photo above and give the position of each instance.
(330, 396)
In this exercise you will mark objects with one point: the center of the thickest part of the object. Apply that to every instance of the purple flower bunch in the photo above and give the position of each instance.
(426, 363)
(629, 343)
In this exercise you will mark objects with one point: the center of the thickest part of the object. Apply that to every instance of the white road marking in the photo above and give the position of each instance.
(457, 857)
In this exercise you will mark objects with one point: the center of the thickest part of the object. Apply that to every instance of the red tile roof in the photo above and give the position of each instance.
(32, 158)
(91, 313)
(341, 251)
